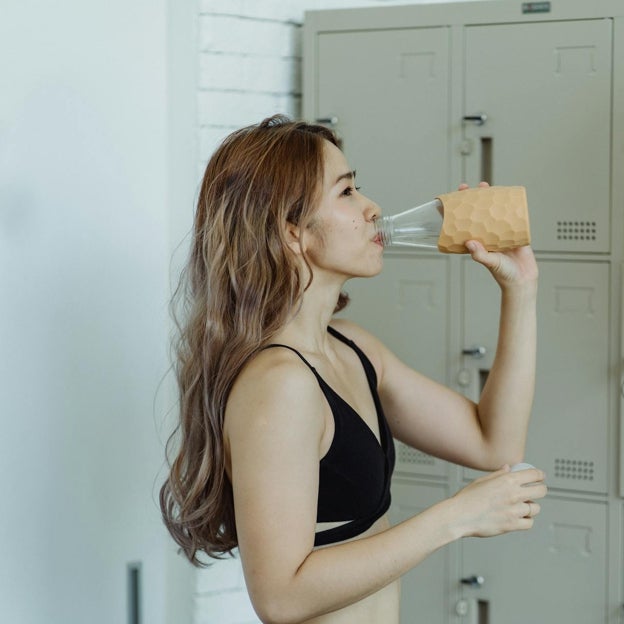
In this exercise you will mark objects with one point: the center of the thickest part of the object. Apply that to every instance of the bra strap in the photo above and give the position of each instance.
(277, 344)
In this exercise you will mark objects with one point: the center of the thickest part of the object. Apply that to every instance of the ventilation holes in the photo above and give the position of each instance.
(576, 230)
(408, 455)
(574, 469)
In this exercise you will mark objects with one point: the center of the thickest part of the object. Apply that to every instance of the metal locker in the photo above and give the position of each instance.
(557, 572)
(568, 434)
(386, 93)
(547, 106)
(418, 94)
(424, 590)
(414, 289)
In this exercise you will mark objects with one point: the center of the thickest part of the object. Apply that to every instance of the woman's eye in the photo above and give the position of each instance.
(349, 190)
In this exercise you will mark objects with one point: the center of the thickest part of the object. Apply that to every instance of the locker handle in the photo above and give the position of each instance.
(622, 310)
(478, 120)
(327, 121)
(473, 581)
(486, 159)
(475, 352)
(622, 328)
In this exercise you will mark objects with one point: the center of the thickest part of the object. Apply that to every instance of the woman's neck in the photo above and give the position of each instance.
(307, 328)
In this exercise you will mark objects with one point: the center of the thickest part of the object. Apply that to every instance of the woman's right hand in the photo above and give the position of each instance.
(499, 502)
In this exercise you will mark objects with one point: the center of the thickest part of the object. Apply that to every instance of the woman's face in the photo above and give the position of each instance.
(341, 237)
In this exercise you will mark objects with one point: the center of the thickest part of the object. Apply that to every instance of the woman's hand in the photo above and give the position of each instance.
(515, 267)
(499, 502)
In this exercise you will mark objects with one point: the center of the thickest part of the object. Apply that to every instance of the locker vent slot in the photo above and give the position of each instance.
(576, 230)
(408, 455)
(574, 469)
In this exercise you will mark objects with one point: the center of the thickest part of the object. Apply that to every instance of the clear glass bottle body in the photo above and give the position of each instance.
(417, 227)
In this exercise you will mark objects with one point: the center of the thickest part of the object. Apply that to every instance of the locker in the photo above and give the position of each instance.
(554, 573)
(548, 103)
(442, 93)
(414, 289)
(371, 83)
(568, 435)
(424, 589)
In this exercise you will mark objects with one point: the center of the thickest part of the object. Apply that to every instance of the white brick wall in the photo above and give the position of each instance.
(249, 65)
(249, 68)
(220, 595)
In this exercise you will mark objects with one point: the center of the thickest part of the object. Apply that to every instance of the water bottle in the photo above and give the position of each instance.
(496, 216)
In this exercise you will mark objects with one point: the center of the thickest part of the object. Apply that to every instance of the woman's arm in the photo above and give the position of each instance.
(505, 404)
(439, 421)
(274, 426)
(506, 401)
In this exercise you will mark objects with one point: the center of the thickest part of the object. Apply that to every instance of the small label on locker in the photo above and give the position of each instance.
(536, 7)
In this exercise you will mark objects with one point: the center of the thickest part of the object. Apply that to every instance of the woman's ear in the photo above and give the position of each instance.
(294, 238)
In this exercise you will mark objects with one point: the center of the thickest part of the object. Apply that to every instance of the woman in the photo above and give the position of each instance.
(288, 415)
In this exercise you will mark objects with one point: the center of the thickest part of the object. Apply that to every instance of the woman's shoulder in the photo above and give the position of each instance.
(277, 369)
(271, 384)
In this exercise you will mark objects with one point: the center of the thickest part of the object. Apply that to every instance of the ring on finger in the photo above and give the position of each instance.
(528, 515)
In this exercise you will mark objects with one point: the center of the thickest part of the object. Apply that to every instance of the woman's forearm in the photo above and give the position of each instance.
(507, 398)
(337, 576)
(334, 577)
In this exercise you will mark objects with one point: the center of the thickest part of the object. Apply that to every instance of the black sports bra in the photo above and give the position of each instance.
(355, 473)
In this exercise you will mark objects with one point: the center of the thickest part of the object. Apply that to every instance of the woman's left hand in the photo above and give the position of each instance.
(511, 268)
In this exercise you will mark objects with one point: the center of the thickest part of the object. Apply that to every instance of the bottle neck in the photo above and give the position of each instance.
(383, 228)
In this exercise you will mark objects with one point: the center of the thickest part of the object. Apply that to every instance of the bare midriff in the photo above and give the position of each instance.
(382, 607)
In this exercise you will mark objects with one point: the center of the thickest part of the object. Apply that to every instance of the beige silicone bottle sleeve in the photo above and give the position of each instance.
(497, 216)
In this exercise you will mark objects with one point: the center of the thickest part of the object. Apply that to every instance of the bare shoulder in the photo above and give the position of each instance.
(274, 389)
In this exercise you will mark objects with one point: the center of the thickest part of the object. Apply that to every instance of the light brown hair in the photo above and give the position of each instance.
(239, 287)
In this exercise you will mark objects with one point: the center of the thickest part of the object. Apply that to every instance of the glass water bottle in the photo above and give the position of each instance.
(496, 216)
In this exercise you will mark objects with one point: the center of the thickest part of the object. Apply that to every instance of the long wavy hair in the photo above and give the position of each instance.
(239, 287)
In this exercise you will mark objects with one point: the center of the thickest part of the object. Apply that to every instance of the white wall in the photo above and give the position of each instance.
(249, 68)
(84, 260)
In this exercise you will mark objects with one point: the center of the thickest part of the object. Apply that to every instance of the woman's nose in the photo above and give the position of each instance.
(373, 211)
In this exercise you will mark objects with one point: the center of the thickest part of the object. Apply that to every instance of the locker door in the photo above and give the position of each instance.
(406, 306)
(556, 572)
(546, 93)
(389, 91)
(424, 590)
(568, 435)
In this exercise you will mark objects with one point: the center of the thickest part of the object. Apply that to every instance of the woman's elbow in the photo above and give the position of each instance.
(494, 457)
(275, 609)
(498, 460)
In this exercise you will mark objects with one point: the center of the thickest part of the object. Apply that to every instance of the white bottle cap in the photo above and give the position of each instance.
(521, 466)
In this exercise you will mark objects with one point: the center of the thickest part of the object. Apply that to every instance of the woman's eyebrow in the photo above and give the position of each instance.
(349, 175)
